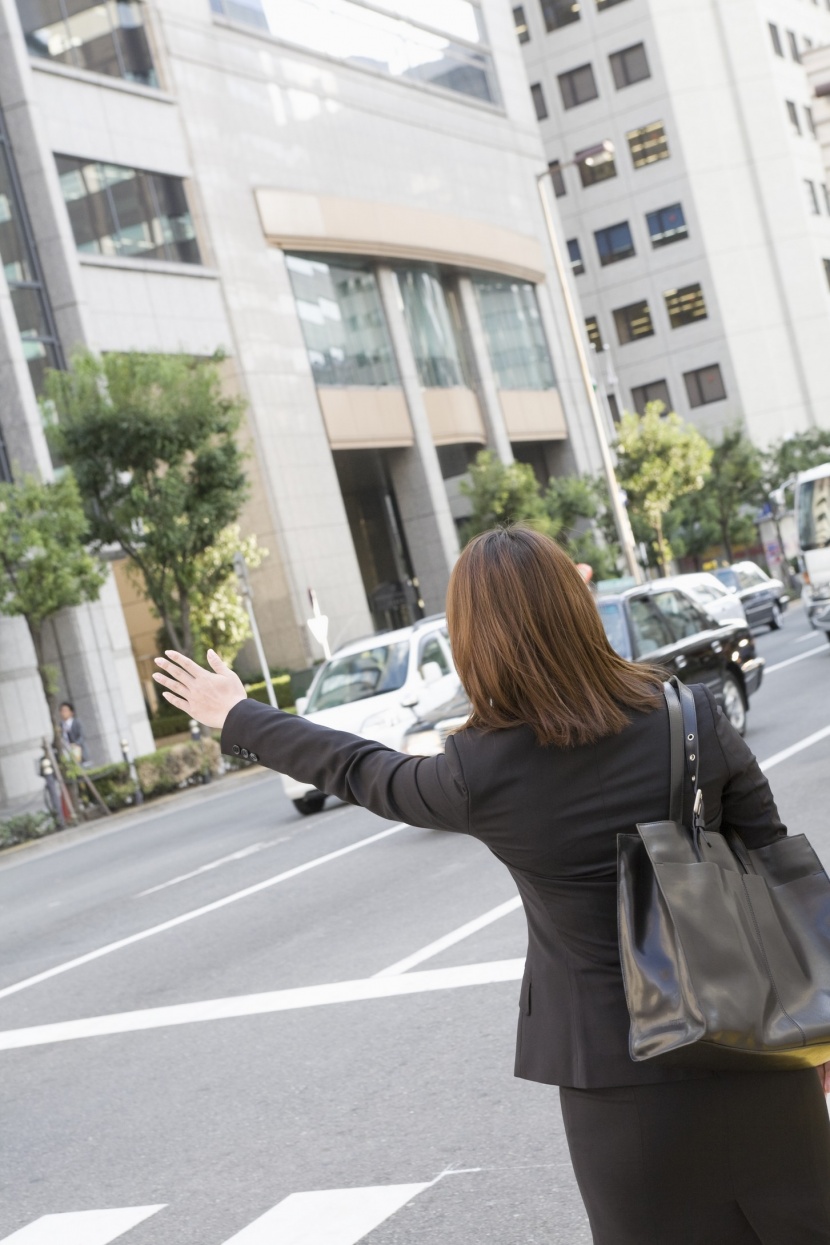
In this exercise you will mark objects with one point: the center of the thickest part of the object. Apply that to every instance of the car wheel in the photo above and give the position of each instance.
(309, 804)
(734, 707)
(776, 620)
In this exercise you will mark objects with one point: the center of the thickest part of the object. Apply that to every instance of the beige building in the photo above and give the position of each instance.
(342, 194)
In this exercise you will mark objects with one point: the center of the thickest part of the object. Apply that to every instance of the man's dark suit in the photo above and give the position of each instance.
(552, 816)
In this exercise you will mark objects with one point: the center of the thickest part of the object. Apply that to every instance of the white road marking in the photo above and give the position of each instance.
(802, 639)
(81, 1227)
(212, 864)
(197, 912)
(327, 1217)
(780, 665)
(292, 999)
(786, 753)
(449, 940)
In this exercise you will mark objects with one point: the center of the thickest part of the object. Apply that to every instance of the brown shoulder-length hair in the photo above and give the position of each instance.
(530, 647)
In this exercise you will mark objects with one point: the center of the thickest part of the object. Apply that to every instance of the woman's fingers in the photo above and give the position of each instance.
(177, 701)
(175, 685)
(187, 666)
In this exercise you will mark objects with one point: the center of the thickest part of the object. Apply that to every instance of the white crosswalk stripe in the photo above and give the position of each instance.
(81, 1227)
(323, 1217)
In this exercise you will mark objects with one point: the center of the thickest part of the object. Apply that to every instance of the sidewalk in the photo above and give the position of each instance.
(125, 818)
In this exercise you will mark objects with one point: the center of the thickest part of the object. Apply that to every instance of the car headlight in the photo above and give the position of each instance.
(423, 744)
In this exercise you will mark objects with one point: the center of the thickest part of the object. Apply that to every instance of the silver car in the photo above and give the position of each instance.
(709, 593)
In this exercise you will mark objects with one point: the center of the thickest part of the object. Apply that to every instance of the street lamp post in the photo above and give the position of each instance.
(591, 156)
(246, 592)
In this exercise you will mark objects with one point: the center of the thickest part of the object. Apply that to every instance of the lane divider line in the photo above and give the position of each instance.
(197, 912)
(328, 1216)
(82, 1227)
(811, 652)
(449, 940)
(212, 864)
(292, 999)
(786, 753)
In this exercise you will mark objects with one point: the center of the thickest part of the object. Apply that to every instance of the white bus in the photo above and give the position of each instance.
(812, 509)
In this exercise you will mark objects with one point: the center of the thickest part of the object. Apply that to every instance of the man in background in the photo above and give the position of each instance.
(73, 734)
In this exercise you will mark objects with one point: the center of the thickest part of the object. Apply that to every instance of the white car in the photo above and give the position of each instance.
(372, 688)
(713, 596)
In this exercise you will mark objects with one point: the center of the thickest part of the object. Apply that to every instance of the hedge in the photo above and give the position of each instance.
(282, 688)
(168, 769)
(26, 826)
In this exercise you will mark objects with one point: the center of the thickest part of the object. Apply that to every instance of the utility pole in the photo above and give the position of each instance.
(247, 594)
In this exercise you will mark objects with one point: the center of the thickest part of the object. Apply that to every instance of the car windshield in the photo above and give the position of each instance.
(728, 577)
(814, 513)
(360, 675)
(613, 620)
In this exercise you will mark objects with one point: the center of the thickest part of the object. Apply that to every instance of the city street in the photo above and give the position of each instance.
(221, 1022)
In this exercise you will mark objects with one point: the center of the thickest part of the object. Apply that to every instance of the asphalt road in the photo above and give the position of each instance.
(181, 1062)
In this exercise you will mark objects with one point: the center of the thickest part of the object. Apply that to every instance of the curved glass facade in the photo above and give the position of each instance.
(431, 332)
(515, 335)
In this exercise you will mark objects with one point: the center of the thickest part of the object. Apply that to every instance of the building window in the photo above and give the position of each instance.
(556, 177)
(812, 197)
(629, 66)
(667, 225)
(793, 42)
(826, 263)
(655, 391)
(431, 332)
(777, 45)
(515, 336)
(575, 254)
(456, 59)
(591, 173)
(539, 101)
(809, 118)
(686, 305)
(521, 24)
(340, 310)
(119, 211)
(578, 86)
(826, 192)
(633, 322)
(792, 113)
(648, 144)
(594, 334)
(29, 300)
(606, 4)
(559, 13)
(614, 243)
(613, 406)
(106, 38)
(704, 385)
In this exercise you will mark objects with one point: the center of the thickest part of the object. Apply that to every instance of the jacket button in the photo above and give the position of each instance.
(252, 756)
(245, 754)
(235, 750)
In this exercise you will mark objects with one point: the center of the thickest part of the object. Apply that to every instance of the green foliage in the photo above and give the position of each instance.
(282, 690)
(168, 721)
(152, 441)
(114, 784)
(180, 765)
(502, 493)
(661, 459)
(26, 826)
(799, 452)
(44, 565)
(570, 503)
(724, 512)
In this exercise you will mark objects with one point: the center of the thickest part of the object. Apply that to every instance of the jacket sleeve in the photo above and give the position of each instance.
(422, 791)
(746, 799)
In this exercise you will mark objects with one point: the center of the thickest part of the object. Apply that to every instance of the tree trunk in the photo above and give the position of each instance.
(725, 537)
(187, 630)
(661, 545)
(172, 633)
(47, 682)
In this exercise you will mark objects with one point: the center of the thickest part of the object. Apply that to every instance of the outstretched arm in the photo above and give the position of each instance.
(423, 791)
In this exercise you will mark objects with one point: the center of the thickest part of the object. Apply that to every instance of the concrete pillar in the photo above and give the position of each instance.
(416, 473)
(498, 438)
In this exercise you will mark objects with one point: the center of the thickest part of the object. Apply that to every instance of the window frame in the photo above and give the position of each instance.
(693, 378)
(775, 35)
(557, 177)
(640, 396)
(521, 23)
(575, 256)
(566, 80)
(620, 68)
(550, 9)
(599, 344)
(792, 113)
(634, 135)
(666, 237)
(594, 174)
(680, 319)
(813, 197)
(625, 315)
(794, 49)
(540, 104)
(611, 257)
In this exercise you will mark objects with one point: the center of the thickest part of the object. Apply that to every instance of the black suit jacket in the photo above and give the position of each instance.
(552, 816)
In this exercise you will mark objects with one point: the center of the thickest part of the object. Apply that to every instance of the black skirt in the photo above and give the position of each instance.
(737, 1159)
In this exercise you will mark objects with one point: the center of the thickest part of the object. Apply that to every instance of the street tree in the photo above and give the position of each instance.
(152, 441)
(44, 563)
(661, 458)
(724, 512)
(502, 493)
(577, 507)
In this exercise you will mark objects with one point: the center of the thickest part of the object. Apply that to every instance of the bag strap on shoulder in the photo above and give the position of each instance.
(686, 804)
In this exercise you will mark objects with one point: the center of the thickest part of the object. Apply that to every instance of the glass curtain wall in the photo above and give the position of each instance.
(23, 275)
(438, 42)
(515, 336)
(431, 331)
(107, 38)
(340, 309)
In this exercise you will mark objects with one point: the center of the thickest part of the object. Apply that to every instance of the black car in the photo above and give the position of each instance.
(764, 599)
(665, 627)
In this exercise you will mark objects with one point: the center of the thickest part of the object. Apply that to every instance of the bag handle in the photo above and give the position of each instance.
(686, 796)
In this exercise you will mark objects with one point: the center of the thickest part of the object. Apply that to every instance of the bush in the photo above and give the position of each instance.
(282, 689)
(114, 784)
(169, 721)
(26, 826)
(180, 765)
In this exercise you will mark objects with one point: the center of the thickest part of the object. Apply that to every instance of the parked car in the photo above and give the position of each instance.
(373, 687)
(664, 626)
(713, 596)
(764, 599)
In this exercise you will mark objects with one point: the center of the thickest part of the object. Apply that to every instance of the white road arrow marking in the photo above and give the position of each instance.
(81, 1227)
(328, 1217)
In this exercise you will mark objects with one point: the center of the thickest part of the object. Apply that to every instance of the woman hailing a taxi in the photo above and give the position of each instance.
(566, 747)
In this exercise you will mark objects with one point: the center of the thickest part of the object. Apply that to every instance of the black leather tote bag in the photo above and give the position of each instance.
(725, 952)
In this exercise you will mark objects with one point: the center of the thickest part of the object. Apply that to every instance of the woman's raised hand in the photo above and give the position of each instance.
(207, 695)
(823, 1071)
